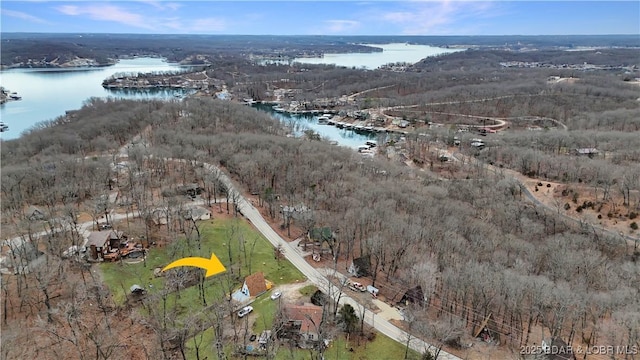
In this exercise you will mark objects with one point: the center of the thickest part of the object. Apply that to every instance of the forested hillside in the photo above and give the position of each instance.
(474, 245)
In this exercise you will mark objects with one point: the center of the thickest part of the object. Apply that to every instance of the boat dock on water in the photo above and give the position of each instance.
(323, 120)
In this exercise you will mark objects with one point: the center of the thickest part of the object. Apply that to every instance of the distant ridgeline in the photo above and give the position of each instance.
(86, 50)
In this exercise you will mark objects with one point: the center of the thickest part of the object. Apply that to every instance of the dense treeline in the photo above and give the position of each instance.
(492, 58)
(475, 246)
(486, 250)
(441, 80)
(18, 47)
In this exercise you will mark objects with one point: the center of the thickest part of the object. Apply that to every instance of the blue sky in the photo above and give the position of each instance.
(305, 17)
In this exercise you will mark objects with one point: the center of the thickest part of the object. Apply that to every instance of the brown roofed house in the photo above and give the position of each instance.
(254, 284)
(302, 324)
(101, 243)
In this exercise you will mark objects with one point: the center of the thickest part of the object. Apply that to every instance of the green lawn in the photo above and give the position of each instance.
(264, 310)
(243, 251)
(308, 290)
(381, 347)
(236, 243)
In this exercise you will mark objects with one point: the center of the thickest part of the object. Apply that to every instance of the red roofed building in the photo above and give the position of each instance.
(302, 324)
(254, 285)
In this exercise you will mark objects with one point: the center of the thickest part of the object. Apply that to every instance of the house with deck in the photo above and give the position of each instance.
(302, 325)
(100, 244)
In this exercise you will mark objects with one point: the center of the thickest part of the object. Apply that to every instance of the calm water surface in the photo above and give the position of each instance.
(48, 93)
(302, 122)
(391, 53)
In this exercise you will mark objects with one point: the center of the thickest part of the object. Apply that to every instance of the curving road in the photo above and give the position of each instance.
(318, 279)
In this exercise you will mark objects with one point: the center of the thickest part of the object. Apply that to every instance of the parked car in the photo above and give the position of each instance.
(245, 310)
(356, 286)
(275, 295)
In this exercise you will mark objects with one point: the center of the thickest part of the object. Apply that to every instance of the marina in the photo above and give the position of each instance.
(334, 127)
(80, 84)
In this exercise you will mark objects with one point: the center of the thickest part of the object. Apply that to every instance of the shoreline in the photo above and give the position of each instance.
(8, 95)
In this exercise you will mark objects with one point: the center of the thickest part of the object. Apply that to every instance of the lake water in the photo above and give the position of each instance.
(302, 122)
(391, 53)
(49, 93)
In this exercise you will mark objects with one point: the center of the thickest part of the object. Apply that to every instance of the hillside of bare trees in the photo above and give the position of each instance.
(473, 243)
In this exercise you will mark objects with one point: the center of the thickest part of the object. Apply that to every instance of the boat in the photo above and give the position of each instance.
(3, 127)
(278, 108)
(15, 96)
(323, 120)
(249, 101)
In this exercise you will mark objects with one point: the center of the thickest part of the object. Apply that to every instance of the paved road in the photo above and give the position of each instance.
(317, 278)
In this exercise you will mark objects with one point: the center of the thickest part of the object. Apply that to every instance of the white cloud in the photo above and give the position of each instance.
(162, 5)
(69, 10)
(341, 26)
(23, 16)
(207, 25)
(438, 17)
(109, 13)
(152, 21)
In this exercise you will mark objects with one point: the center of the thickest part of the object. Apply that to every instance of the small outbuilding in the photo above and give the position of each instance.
(360, 267)
(35, 214)
(590, 152)
(137, 289)
(413, 296)
(197, 213)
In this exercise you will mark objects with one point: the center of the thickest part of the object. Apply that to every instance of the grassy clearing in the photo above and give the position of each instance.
(236, 243)
(382, 347)
(243, 251)
(265, 310)
(206, 346)
(119, 276)
(308, 290)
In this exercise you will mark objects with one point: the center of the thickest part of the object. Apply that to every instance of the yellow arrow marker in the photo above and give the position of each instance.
(213, 265)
